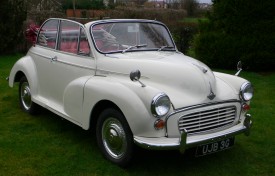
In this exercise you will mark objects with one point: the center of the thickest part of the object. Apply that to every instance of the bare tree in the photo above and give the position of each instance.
(74, 7)
(190, 6)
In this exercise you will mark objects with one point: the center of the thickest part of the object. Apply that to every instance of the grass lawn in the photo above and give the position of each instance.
(47, 145)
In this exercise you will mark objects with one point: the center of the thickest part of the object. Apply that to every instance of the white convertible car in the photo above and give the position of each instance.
(127, 80)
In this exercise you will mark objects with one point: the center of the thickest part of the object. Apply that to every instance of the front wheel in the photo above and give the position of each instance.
(114, 137)
(25, 97)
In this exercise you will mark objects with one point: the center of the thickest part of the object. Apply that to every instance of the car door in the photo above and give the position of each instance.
(70, 64)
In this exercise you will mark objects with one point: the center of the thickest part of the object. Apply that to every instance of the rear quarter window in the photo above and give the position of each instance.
(48, 34)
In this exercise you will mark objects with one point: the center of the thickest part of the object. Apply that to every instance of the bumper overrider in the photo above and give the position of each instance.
(185, 141)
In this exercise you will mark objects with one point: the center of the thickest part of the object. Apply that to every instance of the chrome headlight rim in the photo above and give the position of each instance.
(246, 91)
(155, 108)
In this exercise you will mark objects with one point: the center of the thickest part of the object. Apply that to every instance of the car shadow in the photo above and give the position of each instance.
(145, 161)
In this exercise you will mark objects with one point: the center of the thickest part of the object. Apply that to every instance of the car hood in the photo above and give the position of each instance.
(185, 80)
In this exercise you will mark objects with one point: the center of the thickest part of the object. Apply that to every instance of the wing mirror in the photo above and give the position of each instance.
(239, 68)
(135, 76)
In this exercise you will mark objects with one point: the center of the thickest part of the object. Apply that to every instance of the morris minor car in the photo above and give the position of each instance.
(127, 80)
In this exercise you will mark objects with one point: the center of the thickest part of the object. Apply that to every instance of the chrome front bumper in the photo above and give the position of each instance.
(185, 142)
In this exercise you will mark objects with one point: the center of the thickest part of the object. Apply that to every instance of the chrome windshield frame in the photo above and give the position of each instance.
(131, 21)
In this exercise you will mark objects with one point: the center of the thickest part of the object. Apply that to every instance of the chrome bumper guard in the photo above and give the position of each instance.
(164, 143)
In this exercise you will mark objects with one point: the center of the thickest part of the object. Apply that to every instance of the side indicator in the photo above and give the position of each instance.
(159, 124)
(246, 107)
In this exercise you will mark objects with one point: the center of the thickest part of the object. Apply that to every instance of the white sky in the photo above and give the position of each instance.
(199, 1)
(205, 1)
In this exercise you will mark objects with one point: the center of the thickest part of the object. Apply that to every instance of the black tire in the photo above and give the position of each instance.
(114, 137)
(25, 97)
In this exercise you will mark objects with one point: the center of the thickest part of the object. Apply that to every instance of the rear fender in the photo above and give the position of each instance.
(24, 66)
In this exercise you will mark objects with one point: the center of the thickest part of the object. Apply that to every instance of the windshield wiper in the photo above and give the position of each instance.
(165, 47)
(134, 46)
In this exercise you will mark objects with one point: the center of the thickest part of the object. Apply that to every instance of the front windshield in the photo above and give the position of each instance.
(124, 37)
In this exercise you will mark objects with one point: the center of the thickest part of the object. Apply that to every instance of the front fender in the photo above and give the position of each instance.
(26, 66)
(132, 99)
(233, 81)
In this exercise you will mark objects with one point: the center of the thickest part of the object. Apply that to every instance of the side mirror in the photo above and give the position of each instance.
(135, 76)
(239, 68)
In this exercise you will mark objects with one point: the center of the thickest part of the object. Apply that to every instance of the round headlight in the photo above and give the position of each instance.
(160, 105)
(246, 91)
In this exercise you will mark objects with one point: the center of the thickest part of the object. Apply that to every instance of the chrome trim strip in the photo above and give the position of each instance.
(128, 21)
(203, 105)
(58, 35)
(107, 72)
(63, 62)
(63, 115)
(41, 55)
(76, 65)
(64, 52)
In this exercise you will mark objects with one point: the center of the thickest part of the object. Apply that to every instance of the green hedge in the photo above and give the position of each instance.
(12, 13)
(183, 33)
(238, 30)
(83, 4)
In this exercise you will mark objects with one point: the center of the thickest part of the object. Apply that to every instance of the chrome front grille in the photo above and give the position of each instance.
(206, 120)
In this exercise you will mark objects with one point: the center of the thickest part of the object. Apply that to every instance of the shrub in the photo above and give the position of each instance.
(12, 14)
(83, 4)
(183, 33)
(163, 15)
(238, 30)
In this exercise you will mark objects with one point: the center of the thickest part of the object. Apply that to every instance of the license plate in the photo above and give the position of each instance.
(214, 147)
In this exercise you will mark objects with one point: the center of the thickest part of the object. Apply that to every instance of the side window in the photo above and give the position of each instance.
(48, 34)
(69, 32)
(73, 39)
(84, 48)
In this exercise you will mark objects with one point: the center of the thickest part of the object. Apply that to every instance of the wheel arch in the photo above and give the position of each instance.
(132, 100)
(18, 76)
(98, 109)
(25, 66)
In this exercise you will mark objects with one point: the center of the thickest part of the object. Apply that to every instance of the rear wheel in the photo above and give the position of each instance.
(25, 97)
(114, 137)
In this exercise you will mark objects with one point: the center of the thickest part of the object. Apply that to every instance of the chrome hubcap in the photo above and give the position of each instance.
(113, 137)
(26, 95)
